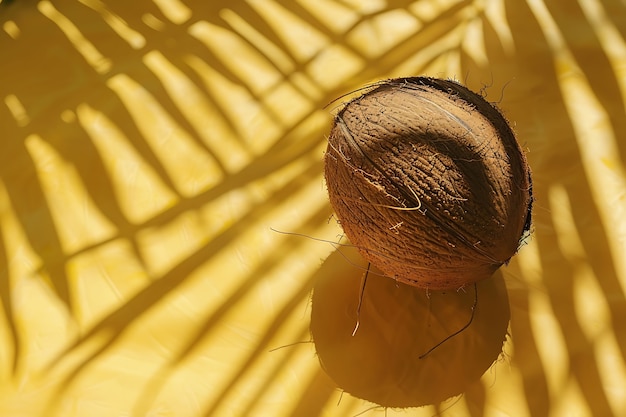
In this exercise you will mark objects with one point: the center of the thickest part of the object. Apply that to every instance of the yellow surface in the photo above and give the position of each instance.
(150, 149)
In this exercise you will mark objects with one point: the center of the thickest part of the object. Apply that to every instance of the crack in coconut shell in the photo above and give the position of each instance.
(437, 159)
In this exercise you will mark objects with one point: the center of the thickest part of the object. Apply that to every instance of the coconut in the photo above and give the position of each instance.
(428, 181)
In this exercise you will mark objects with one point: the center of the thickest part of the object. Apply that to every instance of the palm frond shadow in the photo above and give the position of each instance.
(592, 57)
(296, 141)
(7, 307)
(39, 229)
(116, 322)
(87, 161)
(559, 275)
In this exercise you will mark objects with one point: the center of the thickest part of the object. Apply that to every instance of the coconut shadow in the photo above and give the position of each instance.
(398, 324)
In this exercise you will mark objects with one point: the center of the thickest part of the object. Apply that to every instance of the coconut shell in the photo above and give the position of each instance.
(428, 182)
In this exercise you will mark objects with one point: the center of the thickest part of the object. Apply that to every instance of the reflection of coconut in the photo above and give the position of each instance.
(398, 324)
(428, 181)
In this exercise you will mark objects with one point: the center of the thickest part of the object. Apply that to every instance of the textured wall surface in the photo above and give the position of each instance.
(153, 150)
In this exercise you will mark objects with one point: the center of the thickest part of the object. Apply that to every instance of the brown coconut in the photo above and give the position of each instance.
(428, 182)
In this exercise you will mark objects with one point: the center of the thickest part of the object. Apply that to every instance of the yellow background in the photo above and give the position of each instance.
(150, 149)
